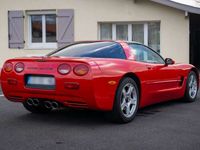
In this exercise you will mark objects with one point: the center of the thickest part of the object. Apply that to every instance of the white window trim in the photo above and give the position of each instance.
(42, 45)
(114, 31)
(146, 34)
(130, 30)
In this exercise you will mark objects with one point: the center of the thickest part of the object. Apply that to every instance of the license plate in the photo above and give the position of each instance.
(38, 80)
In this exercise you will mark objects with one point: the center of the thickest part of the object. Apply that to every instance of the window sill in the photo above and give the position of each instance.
(32, 48)
(49, 46)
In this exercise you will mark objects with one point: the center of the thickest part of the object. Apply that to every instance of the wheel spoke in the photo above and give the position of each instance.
(128, 110)
(123, 104)
(133, 100)
(124, 93)
(191, 81)
(130, 90)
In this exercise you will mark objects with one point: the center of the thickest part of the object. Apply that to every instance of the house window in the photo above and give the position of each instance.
(122, 32)
(106, 31)
(154, 36)
(42, 30)
(145, 33)
(138, 33)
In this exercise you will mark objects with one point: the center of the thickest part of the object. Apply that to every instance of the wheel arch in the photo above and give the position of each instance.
(135, 78)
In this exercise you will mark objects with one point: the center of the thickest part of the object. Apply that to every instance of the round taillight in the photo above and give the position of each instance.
(19, 67)
(64, 69)
(8, 67)
(81, 70)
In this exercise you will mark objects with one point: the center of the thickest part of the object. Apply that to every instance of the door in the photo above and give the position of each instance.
(195, 40)
(160, 80)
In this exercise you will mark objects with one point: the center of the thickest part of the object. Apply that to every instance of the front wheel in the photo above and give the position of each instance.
(126, 101)
(191, 87)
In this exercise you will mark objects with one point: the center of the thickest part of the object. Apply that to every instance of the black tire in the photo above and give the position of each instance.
(187, 96)
(117, 114)
(36, 109)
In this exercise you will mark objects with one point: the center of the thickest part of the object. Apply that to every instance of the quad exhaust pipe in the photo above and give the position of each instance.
(47, 104)
(51, 105)
(33, 102)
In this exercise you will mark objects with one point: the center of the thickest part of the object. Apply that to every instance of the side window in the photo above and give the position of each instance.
(144, 54)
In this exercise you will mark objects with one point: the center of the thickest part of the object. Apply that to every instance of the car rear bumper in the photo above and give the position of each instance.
(84, 97)
(18, 92)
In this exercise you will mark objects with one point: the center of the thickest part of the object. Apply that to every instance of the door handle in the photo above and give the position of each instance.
(149, 67)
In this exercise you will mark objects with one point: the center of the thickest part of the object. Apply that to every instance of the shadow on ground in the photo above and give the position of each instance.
(90, 117)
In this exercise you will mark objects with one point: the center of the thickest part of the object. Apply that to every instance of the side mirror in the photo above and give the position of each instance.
(169, 61)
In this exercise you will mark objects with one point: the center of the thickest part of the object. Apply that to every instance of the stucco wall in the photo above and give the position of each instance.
(174, 24)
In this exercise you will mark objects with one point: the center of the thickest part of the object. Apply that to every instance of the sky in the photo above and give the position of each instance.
(194, 3)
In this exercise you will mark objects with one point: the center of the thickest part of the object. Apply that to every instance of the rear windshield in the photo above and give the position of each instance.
(92, 49)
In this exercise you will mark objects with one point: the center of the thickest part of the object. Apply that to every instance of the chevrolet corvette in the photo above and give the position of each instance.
(113, 76)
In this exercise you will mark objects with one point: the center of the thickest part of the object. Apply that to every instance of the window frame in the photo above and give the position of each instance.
(43, 44)
(150, 49)
(130, 30)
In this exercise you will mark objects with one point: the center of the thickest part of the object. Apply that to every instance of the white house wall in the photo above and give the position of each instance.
(174, 24)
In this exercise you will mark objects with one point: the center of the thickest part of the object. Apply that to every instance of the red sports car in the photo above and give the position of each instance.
(114, 76)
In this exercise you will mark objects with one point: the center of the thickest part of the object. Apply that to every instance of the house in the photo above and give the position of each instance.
(171, 27)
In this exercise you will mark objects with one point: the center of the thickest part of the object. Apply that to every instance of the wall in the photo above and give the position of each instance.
(174, 24)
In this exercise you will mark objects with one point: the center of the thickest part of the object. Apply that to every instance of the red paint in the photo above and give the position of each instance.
(158, 82)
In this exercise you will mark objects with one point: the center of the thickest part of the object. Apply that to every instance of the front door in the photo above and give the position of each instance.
(160, 80)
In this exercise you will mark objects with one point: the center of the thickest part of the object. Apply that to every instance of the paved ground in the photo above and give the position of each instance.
(170, 126)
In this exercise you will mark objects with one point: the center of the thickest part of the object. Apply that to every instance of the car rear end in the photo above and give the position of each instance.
(72, 76)
(66, 81)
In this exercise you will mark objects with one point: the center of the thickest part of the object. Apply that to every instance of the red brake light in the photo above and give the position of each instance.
(8, 67)
(81, 70)
(64, 69)
(19, 67)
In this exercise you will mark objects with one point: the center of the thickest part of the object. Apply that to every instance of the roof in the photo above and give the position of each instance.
(191, 6)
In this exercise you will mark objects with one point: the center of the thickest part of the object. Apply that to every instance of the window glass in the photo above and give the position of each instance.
(154, 36)
(50, 28)
(106, 31)
(144, 54)
(43, 29)
(122, 32)
(36, 24)
(138, 32)
(93, 49)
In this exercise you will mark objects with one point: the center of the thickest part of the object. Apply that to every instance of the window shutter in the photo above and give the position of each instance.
(65, 27)
(16, 29)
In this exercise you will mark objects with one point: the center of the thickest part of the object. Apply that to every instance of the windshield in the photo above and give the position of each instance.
(92, 49)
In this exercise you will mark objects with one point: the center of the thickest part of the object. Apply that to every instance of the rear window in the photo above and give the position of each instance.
(92, 49)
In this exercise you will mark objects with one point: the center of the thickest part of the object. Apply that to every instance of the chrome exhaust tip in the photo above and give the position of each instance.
(30, 102)
(54, 105)
(36, 102)
(48, 105)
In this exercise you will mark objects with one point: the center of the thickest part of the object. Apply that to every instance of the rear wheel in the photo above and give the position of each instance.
(126, 101)
(191, 87)
(35, 108)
